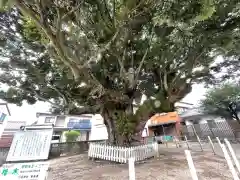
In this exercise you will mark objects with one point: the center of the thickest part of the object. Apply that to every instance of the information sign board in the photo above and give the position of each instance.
(24, 171)
(30, 145)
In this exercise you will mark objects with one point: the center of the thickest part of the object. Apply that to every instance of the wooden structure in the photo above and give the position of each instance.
(163, 126)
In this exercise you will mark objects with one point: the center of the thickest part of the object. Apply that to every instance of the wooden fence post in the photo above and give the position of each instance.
(211, 143)
(131, 169)
(191, 165)
(232, 154)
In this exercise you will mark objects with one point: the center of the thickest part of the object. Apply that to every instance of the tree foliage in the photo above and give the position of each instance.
(219, 99)
(72, 135)
(109, 53)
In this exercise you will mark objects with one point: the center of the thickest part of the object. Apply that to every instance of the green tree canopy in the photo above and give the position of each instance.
(115, 51)
(219, 99)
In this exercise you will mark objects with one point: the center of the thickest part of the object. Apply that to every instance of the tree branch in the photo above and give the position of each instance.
(46, 100)
(103, 50)
(50, 36)
(121, 63)
(61, 94)
(165, 83)
(39, 97)
(114, 12)
(72, 11)
(189, 73)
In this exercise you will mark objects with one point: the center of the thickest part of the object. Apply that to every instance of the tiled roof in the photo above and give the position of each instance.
(6, 141)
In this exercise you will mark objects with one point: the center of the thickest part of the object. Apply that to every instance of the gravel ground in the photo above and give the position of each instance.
(169, 166)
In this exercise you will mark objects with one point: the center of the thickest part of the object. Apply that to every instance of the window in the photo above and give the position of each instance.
(56, 137)
(211, 124)
(49, 119)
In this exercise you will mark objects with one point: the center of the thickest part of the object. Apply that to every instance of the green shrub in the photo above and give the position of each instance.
(71, 135)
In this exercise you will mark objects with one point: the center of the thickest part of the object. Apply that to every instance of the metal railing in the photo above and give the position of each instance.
(230, 130)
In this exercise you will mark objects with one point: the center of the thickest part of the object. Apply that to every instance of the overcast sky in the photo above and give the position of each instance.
(28, 112)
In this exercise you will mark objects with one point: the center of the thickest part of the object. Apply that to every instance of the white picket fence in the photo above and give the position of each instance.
(121, 154)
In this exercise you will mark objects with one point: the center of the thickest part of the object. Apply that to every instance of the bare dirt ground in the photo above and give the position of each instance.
(169, 166)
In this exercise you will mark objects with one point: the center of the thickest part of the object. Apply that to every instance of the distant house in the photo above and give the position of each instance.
(196, 121)
(12, 127)
(182, 107)
(6, 141)
(162, 125)
(8, 133)
(91, 126)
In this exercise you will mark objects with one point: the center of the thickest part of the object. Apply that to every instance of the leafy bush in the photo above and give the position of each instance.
(71, 135)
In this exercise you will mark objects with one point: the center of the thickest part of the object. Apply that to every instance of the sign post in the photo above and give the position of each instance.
(131, 169)
(28, 146)
(191, 165)
(232, 154)
(229, 162)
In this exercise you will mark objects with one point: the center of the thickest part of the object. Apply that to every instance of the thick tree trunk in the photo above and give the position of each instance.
(115, 136)
(146, 113)
(111, 129)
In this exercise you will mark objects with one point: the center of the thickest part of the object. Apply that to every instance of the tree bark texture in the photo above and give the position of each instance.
(115, 135)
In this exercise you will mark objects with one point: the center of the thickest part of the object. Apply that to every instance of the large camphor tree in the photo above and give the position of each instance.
(108, 53)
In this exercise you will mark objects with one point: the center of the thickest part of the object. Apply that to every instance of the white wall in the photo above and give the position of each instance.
(98, 129)
(41, 119)
(98, 132)
(204, 119)
(96, 119)
(60, 121)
